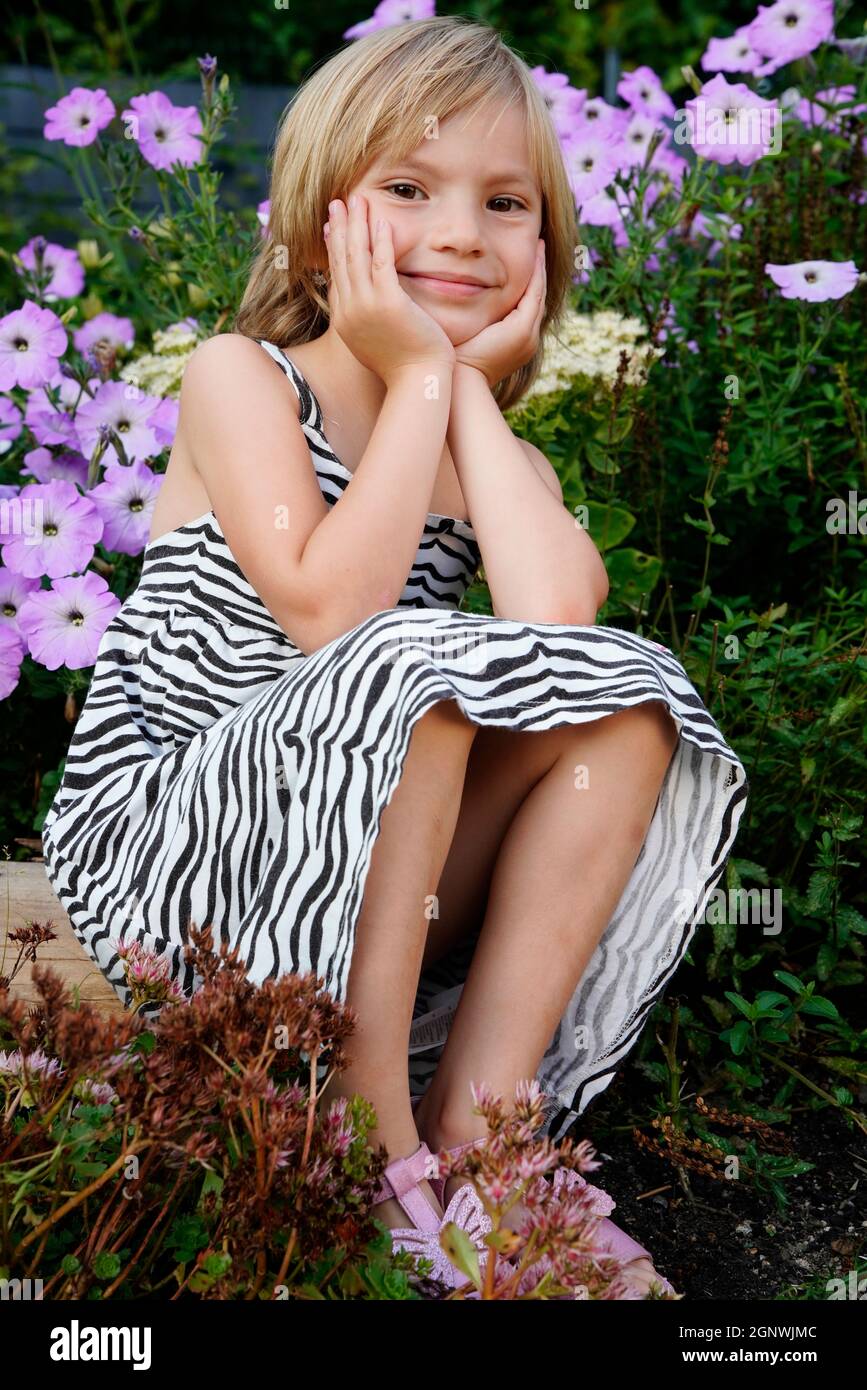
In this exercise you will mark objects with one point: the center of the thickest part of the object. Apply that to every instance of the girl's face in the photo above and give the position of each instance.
(465, 203)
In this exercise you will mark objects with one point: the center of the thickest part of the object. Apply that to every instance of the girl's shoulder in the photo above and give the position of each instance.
(226, 358)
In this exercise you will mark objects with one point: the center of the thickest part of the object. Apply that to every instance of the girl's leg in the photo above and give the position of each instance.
(560, 871)
(408, 856)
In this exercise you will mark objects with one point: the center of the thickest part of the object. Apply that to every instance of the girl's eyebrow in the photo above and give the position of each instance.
(500, 176)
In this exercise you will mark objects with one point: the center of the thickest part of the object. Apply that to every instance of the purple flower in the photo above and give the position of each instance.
(67, 278)
(789, 29)
(14, 589)
(840, 99)
(730, 124)
(263, 212)
(125, 500)
(390, 12)
(12, 653)
(106, 328)
(54, 424)
(78, 118)
(562, 99)
(10, 424)
(128, 411)
(734, 54)
(49, 528)
(32, 340)
(603, 210)
(166, 134)
(814, 280)
(69, 467)
(643, 90)
(636, 138)
(604, 119)
(164, 421)
(591, 162)
(64, 624)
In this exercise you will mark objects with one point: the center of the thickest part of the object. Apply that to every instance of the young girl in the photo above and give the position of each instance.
(293, 733)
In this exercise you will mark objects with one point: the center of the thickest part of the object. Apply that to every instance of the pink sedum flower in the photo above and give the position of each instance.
(814, 280)
(64, 625)
(166, 134)
(78, 117)
(49, 528)
(32, 341)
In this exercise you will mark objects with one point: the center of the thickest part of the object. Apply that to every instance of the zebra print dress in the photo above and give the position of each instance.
(217, 774)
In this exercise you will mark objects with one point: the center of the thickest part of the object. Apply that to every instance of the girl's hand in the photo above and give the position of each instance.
(503, 347)
(372, 313)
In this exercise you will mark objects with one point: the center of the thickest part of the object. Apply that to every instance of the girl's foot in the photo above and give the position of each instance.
(392, 1214)
(638, 1273)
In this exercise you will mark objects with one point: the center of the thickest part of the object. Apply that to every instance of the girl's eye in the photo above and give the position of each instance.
(503, 198)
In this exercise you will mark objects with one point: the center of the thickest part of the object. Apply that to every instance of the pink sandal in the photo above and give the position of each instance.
(612, 1237)
(400, 1181)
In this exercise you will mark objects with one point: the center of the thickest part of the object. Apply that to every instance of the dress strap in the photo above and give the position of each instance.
(310, 413)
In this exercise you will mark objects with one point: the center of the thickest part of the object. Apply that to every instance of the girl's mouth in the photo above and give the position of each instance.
(453, 289)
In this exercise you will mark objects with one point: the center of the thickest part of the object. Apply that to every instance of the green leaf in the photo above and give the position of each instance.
(823, 1007)
(631, 575)
(791, 980)
(608, 525)
(741, 1003)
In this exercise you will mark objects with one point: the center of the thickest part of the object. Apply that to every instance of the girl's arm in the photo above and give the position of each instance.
(539, 566)
(319, 571)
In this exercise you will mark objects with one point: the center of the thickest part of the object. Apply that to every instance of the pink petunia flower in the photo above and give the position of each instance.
(12, 653)
(69, 467)
(49, 528)
(78, 117)
(263, 212)
(51, 423)
(390, 12)
(10, 424)
(562, 99)
(734, 54)
(814, 280)
(637, 135)
(32, 341)
(125, 500)
(64, 625)
(106, 328)
(166, 134)
(788, 30)
(643, 90)
(814, 112)
(730, 123)
(596, 114)
(14, 589)
(67, 278)
(591, 163)
(128, 411)
(164, 421)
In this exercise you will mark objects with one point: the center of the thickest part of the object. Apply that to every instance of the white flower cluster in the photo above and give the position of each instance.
(590, 345)
(159, 372)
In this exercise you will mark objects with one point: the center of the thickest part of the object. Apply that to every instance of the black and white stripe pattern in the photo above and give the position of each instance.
(217, 774)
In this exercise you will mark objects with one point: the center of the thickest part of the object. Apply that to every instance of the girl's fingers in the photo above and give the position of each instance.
(358, 245)
(382, 263)
(336, 242)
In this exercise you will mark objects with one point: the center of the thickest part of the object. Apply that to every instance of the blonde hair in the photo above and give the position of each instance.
(376, 97)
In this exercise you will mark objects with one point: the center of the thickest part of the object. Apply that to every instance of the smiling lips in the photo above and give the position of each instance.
(453, 289)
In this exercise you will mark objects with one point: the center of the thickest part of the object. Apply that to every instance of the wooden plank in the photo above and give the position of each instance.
(26, 895)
